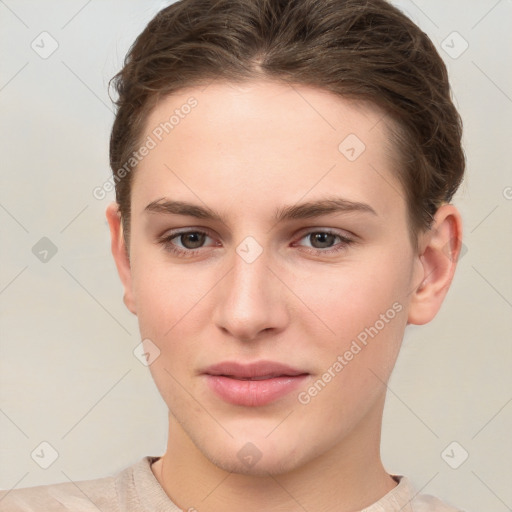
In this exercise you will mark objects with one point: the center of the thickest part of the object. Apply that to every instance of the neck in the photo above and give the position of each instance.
(348, 477)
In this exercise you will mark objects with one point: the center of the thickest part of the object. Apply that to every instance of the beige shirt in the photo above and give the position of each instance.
(135, 489)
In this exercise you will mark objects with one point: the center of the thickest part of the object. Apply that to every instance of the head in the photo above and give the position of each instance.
(251, 112)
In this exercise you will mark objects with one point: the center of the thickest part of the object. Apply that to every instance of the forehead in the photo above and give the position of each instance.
(248, 108)
(260, 140)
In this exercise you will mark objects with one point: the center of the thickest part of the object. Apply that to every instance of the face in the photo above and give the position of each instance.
(275, 294)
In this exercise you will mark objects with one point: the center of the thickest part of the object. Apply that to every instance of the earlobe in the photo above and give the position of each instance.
(120, 254)
(440, 249)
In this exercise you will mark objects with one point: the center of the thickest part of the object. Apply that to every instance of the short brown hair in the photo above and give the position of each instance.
(361, 49)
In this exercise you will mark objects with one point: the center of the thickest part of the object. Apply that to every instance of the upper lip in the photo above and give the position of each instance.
(259, 369)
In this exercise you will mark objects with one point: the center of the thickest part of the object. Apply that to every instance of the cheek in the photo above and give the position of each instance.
(171, 302)
(166, 302)
(348, 298)
(354, 364)
(365, 309)
(164, 296)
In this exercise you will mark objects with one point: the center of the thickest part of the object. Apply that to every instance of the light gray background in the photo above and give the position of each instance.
(68, 373)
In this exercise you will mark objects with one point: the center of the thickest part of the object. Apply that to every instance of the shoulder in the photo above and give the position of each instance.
(427, 502)
(405, 498)
(83, 496)
(80, 496)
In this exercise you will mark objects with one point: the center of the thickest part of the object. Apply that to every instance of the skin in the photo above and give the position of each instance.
(244, 151)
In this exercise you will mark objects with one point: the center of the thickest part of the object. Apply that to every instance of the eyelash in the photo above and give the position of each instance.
(166, 242)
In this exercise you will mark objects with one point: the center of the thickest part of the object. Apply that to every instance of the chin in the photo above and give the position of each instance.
(258, 457)
(264, 467)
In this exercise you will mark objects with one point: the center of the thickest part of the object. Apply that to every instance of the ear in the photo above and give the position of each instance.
(437, 259)
(120, 253)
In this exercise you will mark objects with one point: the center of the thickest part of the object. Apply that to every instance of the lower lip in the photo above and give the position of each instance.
(253, 393)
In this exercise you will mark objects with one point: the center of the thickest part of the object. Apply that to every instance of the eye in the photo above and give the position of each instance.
(191, 239)
(191, 242)
(325, 239)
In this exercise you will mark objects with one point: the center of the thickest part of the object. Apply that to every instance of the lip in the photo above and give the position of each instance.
(255, 384)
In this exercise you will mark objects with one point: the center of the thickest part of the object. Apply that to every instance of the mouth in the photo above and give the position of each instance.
(259, 370)
(254, 384)
(260, 377)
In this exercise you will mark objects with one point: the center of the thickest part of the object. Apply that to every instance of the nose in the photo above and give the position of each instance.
(251, 300)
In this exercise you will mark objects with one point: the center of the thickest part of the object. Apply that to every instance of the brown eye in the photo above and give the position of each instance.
(192, 239)
(185, 243)
(325, 242)
(322, 240)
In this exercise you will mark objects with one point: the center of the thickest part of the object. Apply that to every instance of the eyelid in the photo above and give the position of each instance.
(172, 234)
(322, 229)
(301, 233)
(346, 240)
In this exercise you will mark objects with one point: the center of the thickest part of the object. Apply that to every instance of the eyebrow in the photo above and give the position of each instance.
(306, 210)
